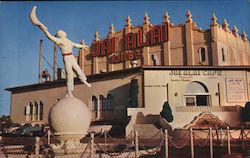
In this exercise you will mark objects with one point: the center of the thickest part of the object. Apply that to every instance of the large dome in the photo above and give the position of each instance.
(70, 116)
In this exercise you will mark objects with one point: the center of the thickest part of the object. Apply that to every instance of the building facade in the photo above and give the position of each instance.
(135, 70)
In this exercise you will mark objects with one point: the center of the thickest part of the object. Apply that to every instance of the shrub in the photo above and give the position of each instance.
(246, 113)
(166, 112)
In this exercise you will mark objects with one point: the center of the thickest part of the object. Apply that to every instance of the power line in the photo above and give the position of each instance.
(51, 65)
(47, 62)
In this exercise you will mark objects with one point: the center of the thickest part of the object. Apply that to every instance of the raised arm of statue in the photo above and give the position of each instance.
(76, 45)
(51, 37)
(36, 22)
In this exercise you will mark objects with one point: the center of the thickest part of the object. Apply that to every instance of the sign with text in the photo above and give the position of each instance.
(235, 90)
(187, 75)
(131, 44)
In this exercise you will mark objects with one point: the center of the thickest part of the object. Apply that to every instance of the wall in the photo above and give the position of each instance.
(116, 85)
(181, 48)
(166, 85)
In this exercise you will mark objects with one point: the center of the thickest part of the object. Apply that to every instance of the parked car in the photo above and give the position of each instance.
(28, 129)
(11, 128)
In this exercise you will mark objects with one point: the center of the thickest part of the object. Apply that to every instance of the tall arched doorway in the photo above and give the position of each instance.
(196, 94)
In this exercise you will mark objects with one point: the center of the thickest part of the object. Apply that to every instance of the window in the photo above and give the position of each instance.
(94, 103)
(41, 110)
(110, 102)
(223, 55)
(202, 52)
(133, 93)
(31, 108)
(27, 112)
(102, 102)
(155, 59)
(27, 109)
(196, 94)
(34, 111)
(190, 101)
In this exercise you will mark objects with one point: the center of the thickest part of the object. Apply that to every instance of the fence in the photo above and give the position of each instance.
(185, 143)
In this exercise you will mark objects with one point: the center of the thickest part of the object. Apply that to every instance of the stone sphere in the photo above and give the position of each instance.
(70, 116)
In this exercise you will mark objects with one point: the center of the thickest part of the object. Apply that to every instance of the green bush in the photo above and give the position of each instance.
(246, 113)
(166, 112)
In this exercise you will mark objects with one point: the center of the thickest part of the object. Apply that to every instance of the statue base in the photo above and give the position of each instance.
(68, 146)
(70, 118)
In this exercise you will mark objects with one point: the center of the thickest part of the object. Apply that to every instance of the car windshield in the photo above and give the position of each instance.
(15, 125)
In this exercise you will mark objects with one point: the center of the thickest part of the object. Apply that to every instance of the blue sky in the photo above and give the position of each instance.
(19, 39)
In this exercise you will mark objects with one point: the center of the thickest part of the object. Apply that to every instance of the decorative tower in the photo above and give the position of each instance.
(189, 56)
(214, 20)
(235, 31)
(95, 66)
(111, 45)
(244, 36)
(145, 50)
(81, 56)
(225, 25)
(166, 45)
(214, 39)
(128, 25)
(146, 19)
(166, 18)
(189, 16)
(111, 29)
(96, 36)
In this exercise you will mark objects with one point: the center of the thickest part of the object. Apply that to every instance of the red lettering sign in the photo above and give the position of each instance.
(133, 40)
(105, 47)
(130, 41)
(156, 34)
(124, 56)
(140, 38)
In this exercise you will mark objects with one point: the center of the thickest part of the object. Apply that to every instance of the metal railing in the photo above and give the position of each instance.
(105, 146)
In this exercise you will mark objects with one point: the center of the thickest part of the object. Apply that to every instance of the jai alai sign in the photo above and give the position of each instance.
(131, 44)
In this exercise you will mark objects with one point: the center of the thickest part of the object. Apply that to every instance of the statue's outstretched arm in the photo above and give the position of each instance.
(36, 22)
(51, 37)
(76, 45)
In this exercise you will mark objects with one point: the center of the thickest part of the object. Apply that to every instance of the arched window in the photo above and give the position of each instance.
(110, 102)
(31, 107)
(36, 111)
(202, 52)
(94, 103)
(41, 110)
(102, 102)
(223, 55)
(196, 94)
(27, 111)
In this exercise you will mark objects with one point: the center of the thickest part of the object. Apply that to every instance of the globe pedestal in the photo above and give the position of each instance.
(70, 118)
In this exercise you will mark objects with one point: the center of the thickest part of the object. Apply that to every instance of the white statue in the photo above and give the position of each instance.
(66, 47)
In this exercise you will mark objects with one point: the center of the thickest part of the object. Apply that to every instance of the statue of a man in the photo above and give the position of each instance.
(66, 47)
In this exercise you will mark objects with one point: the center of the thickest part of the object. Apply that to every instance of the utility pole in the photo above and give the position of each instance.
(54, 64)
(40, 62)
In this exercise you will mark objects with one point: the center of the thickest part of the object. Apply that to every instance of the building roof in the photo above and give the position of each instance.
(62, 82)
(108, 75)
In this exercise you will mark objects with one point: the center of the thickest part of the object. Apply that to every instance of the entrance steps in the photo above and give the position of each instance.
(148, 131)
